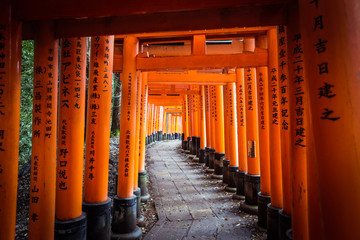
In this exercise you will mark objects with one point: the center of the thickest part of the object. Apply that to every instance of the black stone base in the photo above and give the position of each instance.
(73, 229)
(184, 145)
(226, 163)
(231, 187)
(289, 235)
(139, 217)
(284, 224)
(263, 201)
(218, 164)
(211, 158)
(248, 208)
(98, 220)
(146, 140)
(202, 156)
(142, 183)
(207, 152)
(272, 222)
(252, 188)
(123, 224)
(182, 136)
(190, 146)
(240, 183)
(176, 136)
(198, 146)
(194, 145)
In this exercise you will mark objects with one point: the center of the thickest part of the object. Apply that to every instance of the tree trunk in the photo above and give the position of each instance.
(115, 121)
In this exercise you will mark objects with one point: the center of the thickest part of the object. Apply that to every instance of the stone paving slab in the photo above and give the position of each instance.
(190, 204)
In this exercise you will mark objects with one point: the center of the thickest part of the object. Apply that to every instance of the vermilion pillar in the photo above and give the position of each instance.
(208, 124)
(124, 209)
(219, 130)
(233, 140)
(10, 78)
(275, 143)
(284, 94)
(97, 136)
(332, 63)
(213, 131)
(263, 114)
(143, 125)
(70, 152)
(252, 177)
(226, 161)
(43, 163)
(195, 121)
(203, 136)
(185, 131)
(298, 110)
(241, 121)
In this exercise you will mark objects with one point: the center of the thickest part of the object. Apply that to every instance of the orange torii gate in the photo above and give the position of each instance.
(311, 93)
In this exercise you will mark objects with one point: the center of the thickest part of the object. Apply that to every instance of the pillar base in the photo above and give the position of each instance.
(284, 224)
(272, 222)
(139, 218)
(184, 145)
(198, 146)
(215, 176)
(231, 187)
(226, 163)
(73, 229)
(211, 158)
(190, 147)
(289, 234)
(123, 224)
(240, 179)
(263, 201)
(218, 164)
(98, 220)
(238, 197)
(142, 183)
(252, 188)
(202, 156)
(207, 152)
(247, 208)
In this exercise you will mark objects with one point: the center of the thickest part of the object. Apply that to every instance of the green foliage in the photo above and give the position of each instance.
(114, 133)
(27, 69)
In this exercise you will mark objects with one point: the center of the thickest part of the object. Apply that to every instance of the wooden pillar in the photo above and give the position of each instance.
(70, 154)
(43, 165)
(213, 131)
(299, 129)
(142, 183)
(263, 113)
(233, 140)
(203, 136)
(124, 210)
(241, 121)
(331, 57)
(219, 130)
(284, 95)
(10, 77)
(275, 143)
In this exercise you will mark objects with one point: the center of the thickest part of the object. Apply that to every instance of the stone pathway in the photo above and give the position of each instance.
(190, 204)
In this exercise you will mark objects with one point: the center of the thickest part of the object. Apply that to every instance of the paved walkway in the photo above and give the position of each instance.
(191, 205)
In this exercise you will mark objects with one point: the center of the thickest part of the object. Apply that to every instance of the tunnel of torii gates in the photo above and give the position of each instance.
(272, 110)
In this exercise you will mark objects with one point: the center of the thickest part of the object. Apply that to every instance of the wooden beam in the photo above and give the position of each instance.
(257, 59)
(190, 78)
(169, 91)
(57, 9)
(173, 21)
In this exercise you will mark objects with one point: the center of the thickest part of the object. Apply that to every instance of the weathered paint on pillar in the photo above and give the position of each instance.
(128, 119)
(208, 116)
(331, 57)
(252, 134)
(284, 95)
(43, 165)
(202, 120)
(274, 103)
(219, 119)
(196, 115)
(241, 119)
(10, 77)
(213, 113)
(233, 140)
(299, 129)
(143, 120)
(70, 153)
